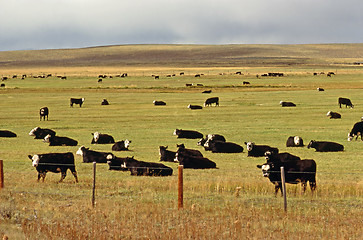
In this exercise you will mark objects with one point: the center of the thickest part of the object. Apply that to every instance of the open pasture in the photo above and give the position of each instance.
(129, 207)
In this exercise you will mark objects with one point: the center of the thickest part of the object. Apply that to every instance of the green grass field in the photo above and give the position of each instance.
(129, 207)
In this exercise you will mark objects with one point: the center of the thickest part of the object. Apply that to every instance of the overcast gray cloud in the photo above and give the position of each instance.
(44, 24)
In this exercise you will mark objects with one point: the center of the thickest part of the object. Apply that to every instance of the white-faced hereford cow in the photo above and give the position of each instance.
(212, 100)
(356, 131)
(138, 168)
(90, 156)
(99, 138)
(122, 145)
(43, 112)
(54, 162)
(345, 101)
(302, 171)
(254, 150)
(78, 101)
(41, 133)
(190, 134)
(60, 141)
(7, 134)
(324, 146)
(295, 141)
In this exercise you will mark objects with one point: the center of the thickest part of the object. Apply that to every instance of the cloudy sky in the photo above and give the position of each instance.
(45, 24)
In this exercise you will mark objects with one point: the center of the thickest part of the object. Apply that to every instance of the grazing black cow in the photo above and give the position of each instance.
(41, 133)
(323, 146)
(60, 141)
(78, 101)
(333, 115)
(194, 162)
(7, 134)
(287, 104)
(54, 162)
(212, 100)
(194, 107)
(356, 131)
(346, 102)
(223, 147)
(159, 103)
(122, 145)
(99, 138)
(190, 134)
(302, 171)
(188, 151)
(207, 91)
(105, 102)
(90, 156)
(43, 112)
(166, 155)
(254, 150)
(295, 141)
(138, 168)
(320, 89)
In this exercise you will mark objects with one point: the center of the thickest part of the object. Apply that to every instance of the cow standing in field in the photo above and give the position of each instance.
(212, 100)
(190, 134)
(54, 162)
(60, 141)
(78, 101)
(99, 138)
(346, 102)
(295, 141)
(90, 156)
(356, 131)
(41, 133)
(43, 112)
(324, 146)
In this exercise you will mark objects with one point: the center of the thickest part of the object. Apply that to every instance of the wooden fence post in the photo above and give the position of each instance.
(94, 184)
(1, 174)
(283, 188)
(180, 186)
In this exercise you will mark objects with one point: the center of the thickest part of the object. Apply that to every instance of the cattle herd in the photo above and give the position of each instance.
(297, 170)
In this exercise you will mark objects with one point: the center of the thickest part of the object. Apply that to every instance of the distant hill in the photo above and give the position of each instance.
(238, 55)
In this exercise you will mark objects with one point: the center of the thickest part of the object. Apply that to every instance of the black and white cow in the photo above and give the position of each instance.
(190, 134)
(254, 150)
(60, 141)
(324, 146)
(7, 134)
(345, 101)
(138, 168)
(54, 162)
(194, 107)
(212, 100)
(166, 155)
(223, 147)
(188, 151)
(122, 145)
(43, 112)
(78, 101)
(302, 171)
(105, 102)
(194, 162)
(356, 131)
(333, 115)
(295, 141)
(41, 133)
(210, 137)
(90, 156)
(99, 138)
(320, 89)
(159, 103)
(287, 104)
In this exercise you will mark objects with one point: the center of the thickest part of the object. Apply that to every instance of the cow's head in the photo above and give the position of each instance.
(81, 150)
(32, 132)
(249, 145)
(127, 143)
(176, 131)
(162, 148)
(311, 144)
(350, 136)
(266, 168)
(176, 159)
(83, 99)
(35, 159)
(297, 140)
(47, 138)
(96, 136)
(328, 114)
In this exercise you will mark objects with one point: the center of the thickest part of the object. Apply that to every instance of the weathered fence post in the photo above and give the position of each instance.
(180, 186)
(1, 174)
(283, 187)
(94, 184)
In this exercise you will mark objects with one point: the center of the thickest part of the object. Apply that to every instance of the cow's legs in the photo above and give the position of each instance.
(41, 175)
(63, 176)
(277, 187)
(312, 185)
(75, 176)
(303, 186)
